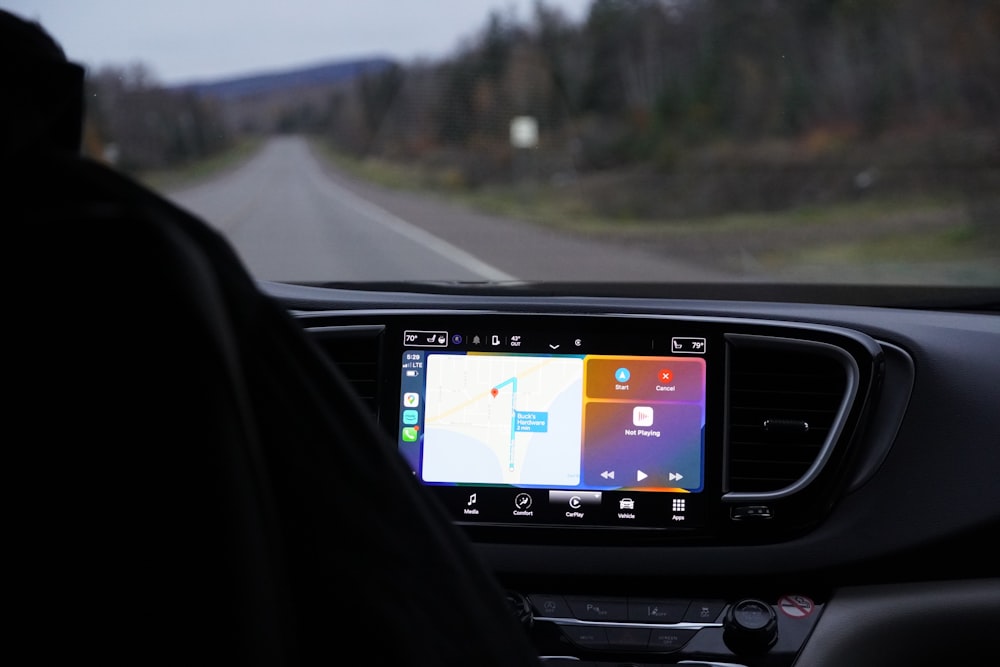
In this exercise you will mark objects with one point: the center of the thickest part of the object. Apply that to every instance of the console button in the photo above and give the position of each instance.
(575, 500)
(586, 636)
(704, 611)
(628, 638)
(665, 639)
(651, 610)
(550, 606)
(598, 609)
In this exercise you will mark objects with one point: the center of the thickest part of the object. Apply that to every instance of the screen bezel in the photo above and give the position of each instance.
(579, 335)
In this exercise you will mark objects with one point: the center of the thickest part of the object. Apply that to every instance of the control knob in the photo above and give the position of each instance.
(750, 627)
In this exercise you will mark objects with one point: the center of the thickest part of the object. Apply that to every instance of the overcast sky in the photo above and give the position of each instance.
(187, 40)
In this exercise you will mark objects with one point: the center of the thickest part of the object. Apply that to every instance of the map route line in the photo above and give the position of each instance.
(513, 414)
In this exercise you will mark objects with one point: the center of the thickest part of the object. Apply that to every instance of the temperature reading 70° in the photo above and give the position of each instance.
(425, 338)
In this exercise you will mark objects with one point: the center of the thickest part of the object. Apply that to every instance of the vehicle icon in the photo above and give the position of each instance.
(626, 504)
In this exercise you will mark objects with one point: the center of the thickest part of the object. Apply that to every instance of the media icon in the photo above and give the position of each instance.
(410, 417)
(642, 415)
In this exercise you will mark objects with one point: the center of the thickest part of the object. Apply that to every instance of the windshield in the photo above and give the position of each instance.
(663, 141)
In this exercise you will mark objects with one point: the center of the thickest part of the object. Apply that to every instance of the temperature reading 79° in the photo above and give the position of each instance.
(687, 345)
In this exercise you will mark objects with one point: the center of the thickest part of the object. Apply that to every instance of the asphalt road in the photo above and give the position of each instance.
(292, 218)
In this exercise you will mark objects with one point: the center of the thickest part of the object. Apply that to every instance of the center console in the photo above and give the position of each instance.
(621, 430)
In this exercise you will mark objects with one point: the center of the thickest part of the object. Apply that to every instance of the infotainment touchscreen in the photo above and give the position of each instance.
(556, 439)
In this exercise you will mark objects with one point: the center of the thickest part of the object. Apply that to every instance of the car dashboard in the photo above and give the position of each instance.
(664, 480)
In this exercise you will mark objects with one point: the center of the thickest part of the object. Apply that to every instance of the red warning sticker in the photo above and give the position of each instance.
(796, 606)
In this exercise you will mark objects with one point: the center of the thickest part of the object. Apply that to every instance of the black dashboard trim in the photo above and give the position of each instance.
(931, 623)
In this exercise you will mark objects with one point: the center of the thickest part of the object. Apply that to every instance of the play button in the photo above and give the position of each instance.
(640, 475)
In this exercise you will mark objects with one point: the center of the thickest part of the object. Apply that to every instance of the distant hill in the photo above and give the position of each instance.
(338, 72)
(282, 100)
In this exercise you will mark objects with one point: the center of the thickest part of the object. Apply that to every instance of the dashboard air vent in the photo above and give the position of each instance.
(355, 351)
(786, 404)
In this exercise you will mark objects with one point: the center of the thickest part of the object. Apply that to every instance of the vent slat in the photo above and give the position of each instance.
(789, 386)
(355, 352)
(757, 449)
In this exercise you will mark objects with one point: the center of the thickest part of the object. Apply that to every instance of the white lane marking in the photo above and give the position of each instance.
(411, 231)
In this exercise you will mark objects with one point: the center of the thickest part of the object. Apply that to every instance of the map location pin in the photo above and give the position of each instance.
(494, 391)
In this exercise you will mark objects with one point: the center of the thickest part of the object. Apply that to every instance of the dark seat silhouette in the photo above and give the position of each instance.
(195, 482)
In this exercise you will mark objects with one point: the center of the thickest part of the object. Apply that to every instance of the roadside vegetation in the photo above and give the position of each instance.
(857, 231)
(198, 170)
(729, 130)
(140, 126)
